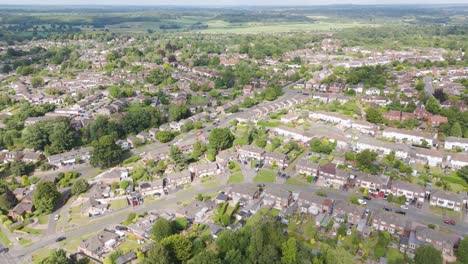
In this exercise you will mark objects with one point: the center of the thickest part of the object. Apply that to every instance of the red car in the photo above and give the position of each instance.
(449, 222)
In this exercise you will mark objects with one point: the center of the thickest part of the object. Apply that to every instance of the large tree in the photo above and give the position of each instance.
(374, 115)
(46, 197)
(158, 254)
(80, 186)
(58, 256)
(427, 255)
(463, 173)
(106, 153)
(220, 139)
(162, 228)
(456, 130)
(432, 105)
(178, 246)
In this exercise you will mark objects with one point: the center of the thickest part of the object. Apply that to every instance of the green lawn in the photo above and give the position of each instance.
(24, 241)
(43, 219)
(394, 255)
(297, 182)
(236, 167)
(444, 211)
(32, 231)
(236, 178)
(5, 240)
(265, 176)
(211, 183)
(118, 204)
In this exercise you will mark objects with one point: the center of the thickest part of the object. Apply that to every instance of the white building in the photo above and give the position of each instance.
(455, 143)
(408, 136)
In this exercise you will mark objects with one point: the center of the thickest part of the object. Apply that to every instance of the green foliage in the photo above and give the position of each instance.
(427, 254)
(57, 256)
(322, 146)
(463, 173)
(432, 105)
(80, 186)
(164, 136)
(162, 228)
(178, 246)
(456, 130)
(46, 197)
(220, 139)
(53, 136)
(106, 153)
(462, 252)
(66, 179)
(374, 115)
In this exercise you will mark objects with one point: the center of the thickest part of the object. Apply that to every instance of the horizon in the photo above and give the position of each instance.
(225, 3)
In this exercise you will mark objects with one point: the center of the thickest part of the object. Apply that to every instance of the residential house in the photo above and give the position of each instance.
(278, 198)
(390, 222)
(445, 199)
(204, 169)
(436, 120)
(364, 127)
(289, 118)
(456, 143)
(152, 187)
(142, 227)
(279, 159)
(410, 136)
(292, 133)
(309, 202)
(304, 166)
(249, 151)
(431, 157)
(382, 147)
(179, 178)
(99, 245)
(129, 257)
(71, 157)
(442, 241)
(369, 181)
(343, 210)
(332, 176)
(409, 190)
(457, 160)
(114, 175)
(239, 194)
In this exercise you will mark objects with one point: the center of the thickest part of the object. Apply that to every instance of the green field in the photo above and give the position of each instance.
(294, 181)
(236, 178)
(217, 26)
(265, 176)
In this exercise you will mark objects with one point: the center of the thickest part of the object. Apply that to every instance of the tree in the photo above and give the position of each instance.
(463, 173)
(58, 256)
(46, 197)
(178, 246)
(462, 252)
(37, 81)
(456, 130)
(164, 136)
(205, 258)
(80, 186)
(432, 105)
(427, 255)
(234, 256)
(374, 115)
(220, 139)
(178, 112)
(289, 251)
(177, 156)
(162, 228)
(7, 198)
(158, 254)
(106, 153)
(198, 149)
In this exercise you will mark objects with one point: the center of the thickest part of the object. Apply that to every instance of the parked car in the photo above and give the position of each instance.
(56, 217)
(366, 212)
(60, 239)
(387, 209)
(4, 250)
(449, 222)
(361, 201)
(400, 212)
(367, 197)
(404, 207)
(121, 228)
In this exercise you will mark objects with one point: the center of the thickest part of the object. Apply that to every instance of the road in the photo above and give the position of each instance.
(6, 258)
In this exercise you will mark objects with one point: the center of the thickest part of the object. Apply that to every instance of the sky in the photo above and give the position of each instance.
(225, 2)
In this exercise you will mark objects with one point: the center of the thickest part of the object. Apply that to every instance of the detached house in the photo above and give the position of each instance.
(100, 244)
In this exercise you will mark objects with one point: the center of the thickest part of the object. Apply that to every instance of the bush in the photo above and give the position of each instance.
(3, 218)
(7, 223)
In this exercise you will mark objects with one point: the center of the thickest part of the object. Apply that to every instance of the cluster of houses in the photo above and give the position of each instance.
(324, 210)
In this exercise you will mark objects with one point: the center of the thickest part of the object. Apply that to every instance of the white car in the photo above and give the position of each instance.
(404, 207)
(361, 201)
(56, 217)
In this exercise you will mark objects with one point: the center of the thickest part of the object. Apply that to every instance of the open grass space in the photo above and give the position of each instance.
(236, 178)
(265, 176)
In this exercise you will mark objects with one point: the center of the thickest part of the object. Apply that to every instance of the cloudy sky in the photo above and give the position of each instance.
(224, 2)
